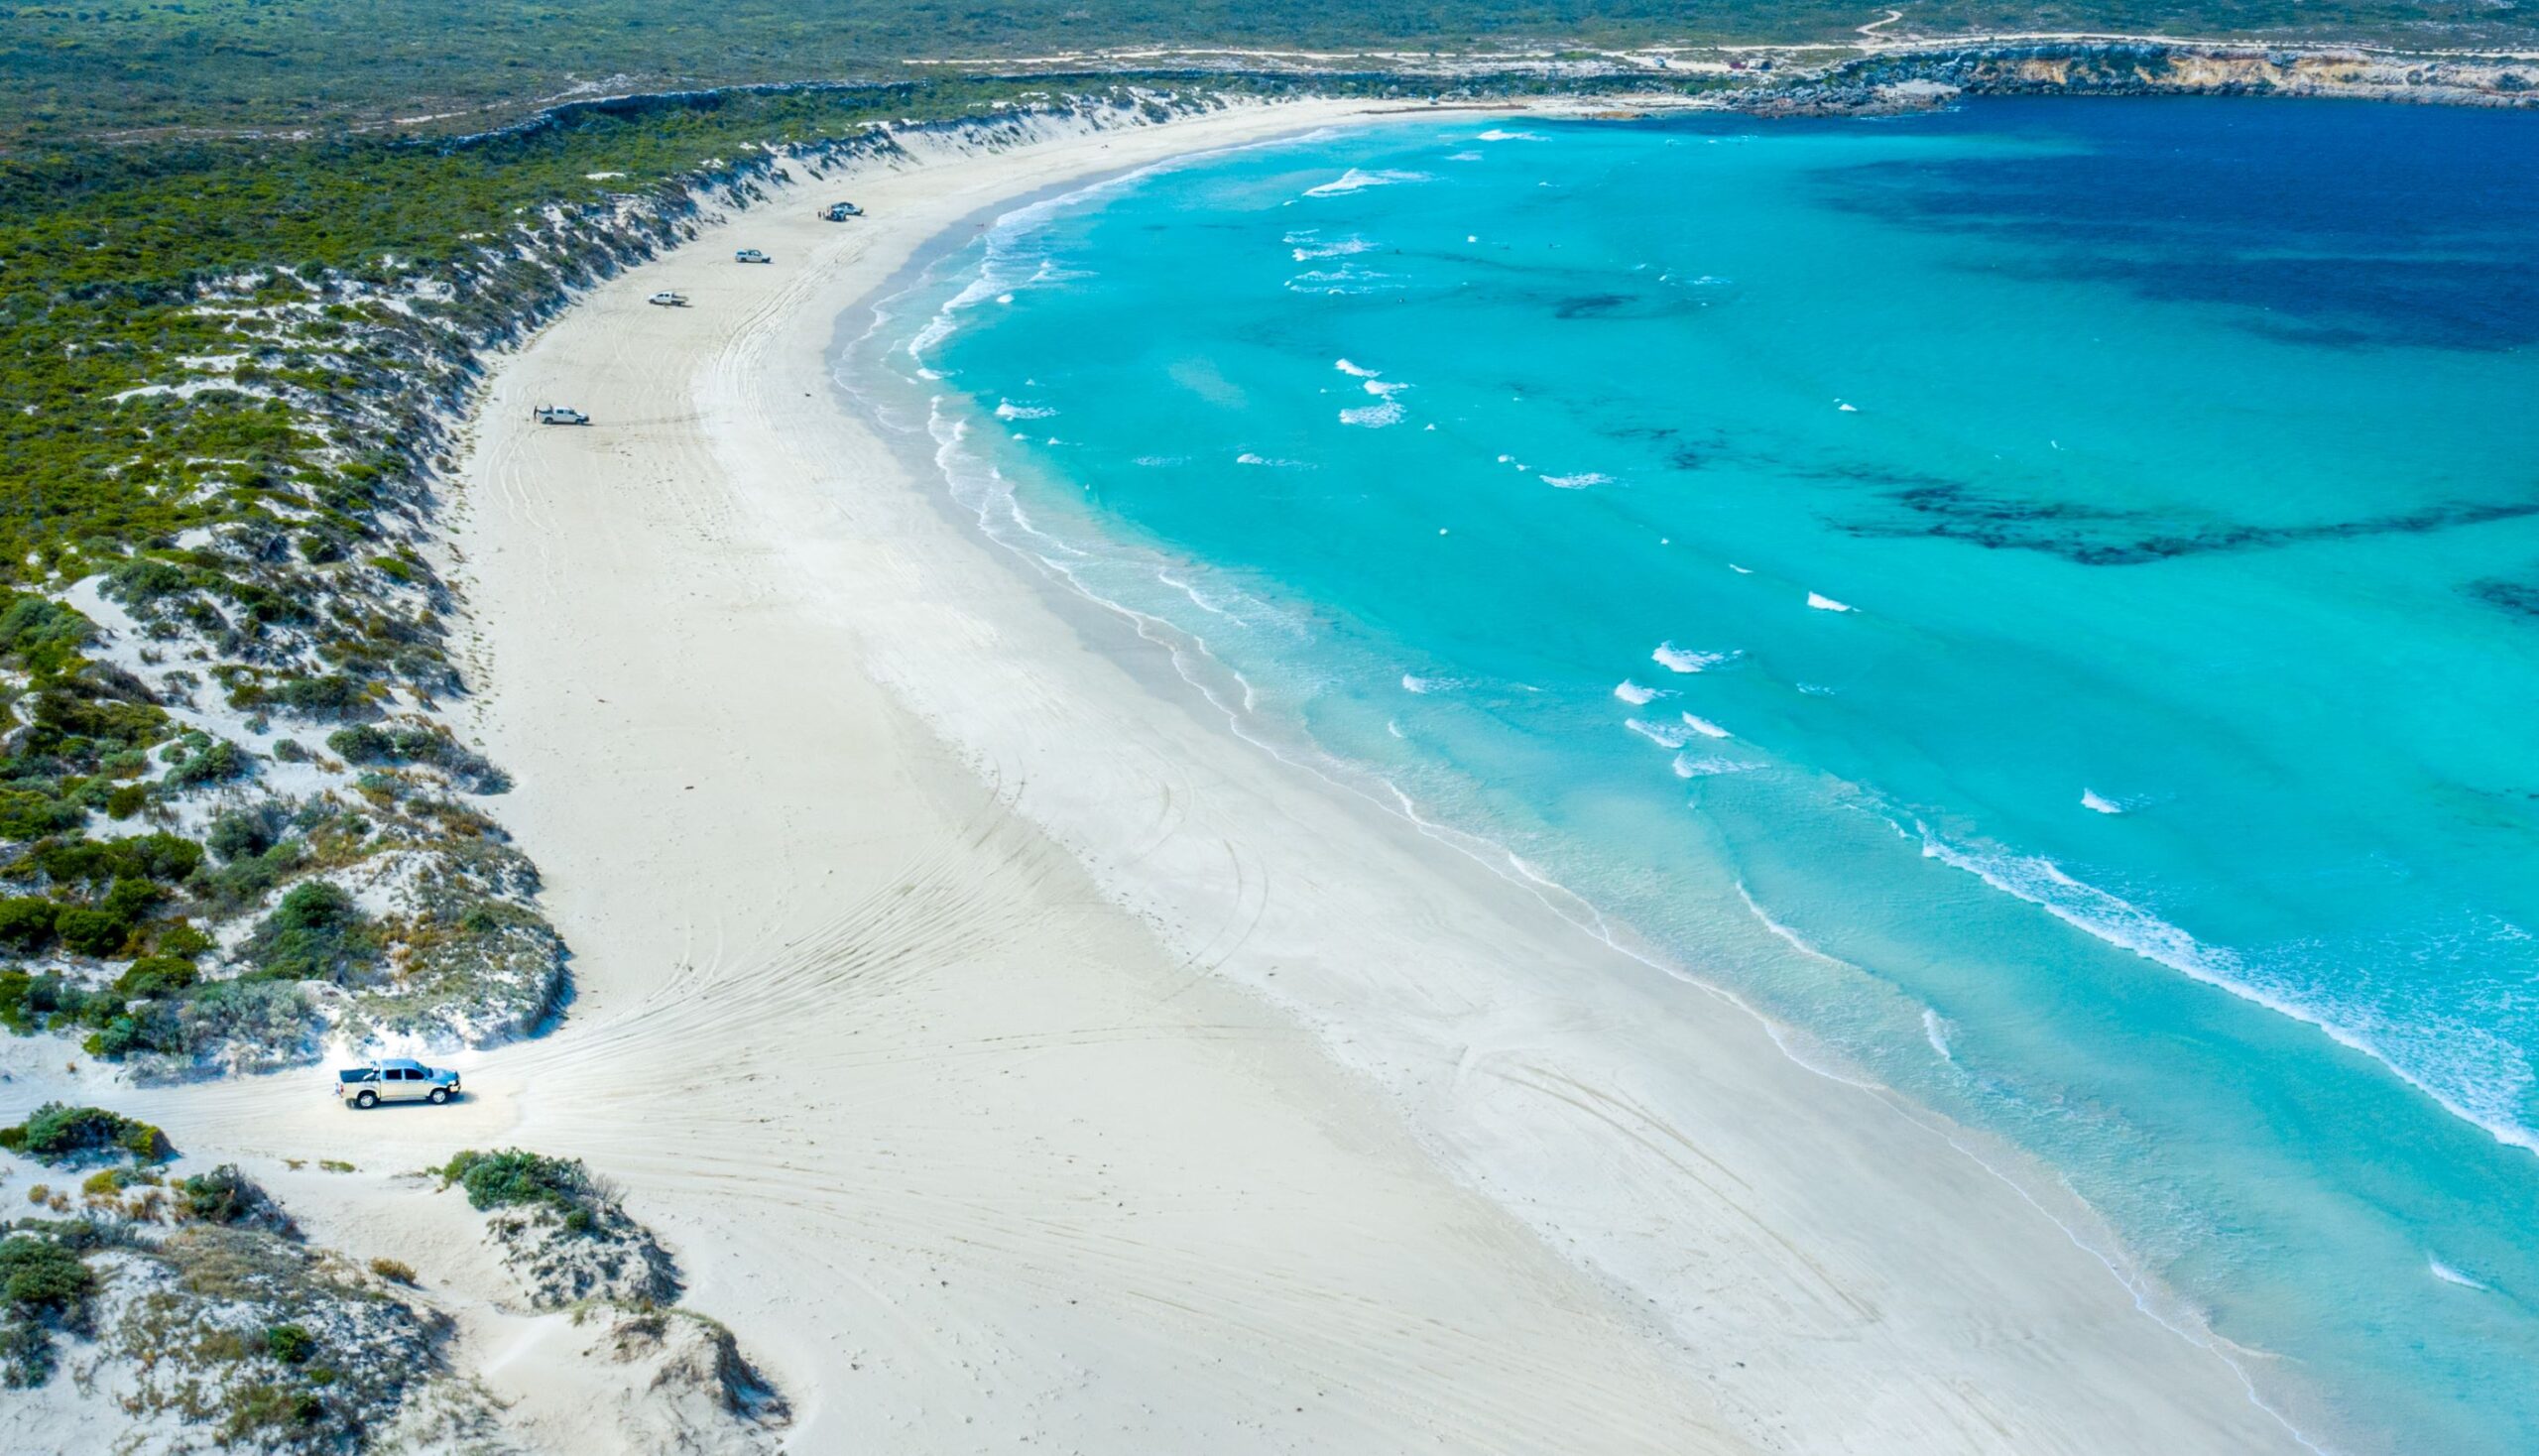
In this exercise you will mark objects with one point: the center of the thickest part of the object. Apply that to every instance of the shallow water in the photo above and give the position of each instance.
(2044, 597)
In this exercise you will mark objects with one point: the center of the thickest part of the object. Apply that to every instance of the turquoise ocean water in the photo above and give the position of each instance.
(2044, 597)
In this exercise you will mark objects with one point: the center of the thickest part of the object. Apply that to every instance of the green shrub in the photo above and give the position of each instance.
(179, 937)
(116, 1040)
(43, 1285)
(271, 1014)
(405, 743)
(264, 1408)
(290, 1344)
(512, 1178)
(15, 986)
(42, 635)
(27, 922)
(240, 833)
(40, 1277)
(89, 930)
(56, 1133)
(244, 881)
(223, 1195)
(164, 858)
(154, 975)
(316, 933)
(221, 763)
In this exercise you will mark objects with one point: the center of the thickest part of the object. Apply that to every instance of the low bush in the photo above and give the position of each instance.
(225, 1195)
(44, 1287)
(290, 1344)
(399, 744)
(316, 933)
(27, 922)
(154, 975)
(222, 763)
(242, 833)
(56, 1132)
(512, 1178)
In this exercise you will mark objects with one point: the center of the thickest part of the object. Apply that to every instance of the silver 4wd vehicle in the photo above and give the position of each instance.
(395, 1081)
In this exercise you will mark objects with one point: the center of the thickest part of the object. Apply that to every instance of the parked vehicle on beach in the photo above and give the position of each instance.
(751, 255)
(394, 1080)
(667, 299)
(560, 415)
(840, 211)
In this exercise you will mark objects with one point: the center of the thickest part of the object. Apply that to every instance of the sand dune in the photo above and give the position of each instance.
(1016, 1058)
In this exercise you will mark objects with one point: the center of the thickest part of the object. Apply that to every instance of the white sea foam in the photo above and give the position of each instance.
(2486, 1096)
(1465, 156)
(1580, 481)
(2448, 1275)
(1360, 371)
(1358, 180)
(1824, 603)
(1740, 570)
(1338, 248)
(1704, 726)
(1688, 765)
(1657, 733)
(1346, 279)
(1682, 660)
(1635, 694)
(1008, 409)
(2090, 801)
(1153, 462)
(1268, 461)
(1373, 416)
(1935, 1030)
(1395, 729)
(1496, 135)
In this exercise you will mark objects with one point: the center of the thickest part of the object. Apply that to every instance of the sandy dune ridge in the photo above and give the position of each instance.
(1015, 1059)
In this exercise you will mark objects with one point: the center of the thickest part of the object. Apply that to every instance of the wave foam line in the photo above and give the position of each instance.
(1682, 660)
(2127, 926)
(1584, 915)
(1358, 180)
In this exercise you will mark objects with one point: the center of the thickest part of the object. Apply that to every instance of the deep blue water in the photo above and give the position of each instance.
(2044, 597)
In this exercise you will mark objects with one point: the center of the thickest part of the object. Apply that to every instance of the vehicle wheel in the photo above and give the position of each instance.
(366, 1100)
(439, 1096)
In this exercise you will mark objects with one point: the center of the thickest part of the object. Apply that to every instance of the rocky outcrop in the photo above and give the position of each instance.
(1910, 78)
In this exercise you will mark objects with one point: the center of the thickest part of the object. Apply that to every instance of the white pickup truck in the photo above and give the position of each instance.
(394, 1080)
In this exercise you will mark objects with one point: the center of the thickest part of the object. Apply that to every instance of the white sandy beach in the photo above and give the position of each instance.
(1017, 1059)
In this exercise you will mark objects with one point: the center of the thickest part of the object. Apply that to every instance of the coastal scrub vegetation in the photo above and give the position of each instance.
(56, 1132)
(222, 1321)
(512, 1178)
(223, 647)
(150, 66)
(561, 1229)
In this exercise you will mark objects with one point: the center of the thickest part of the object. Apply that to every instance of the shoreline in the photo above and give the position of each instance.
(984, 1026)
(1097, 798)
(1142, 659)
